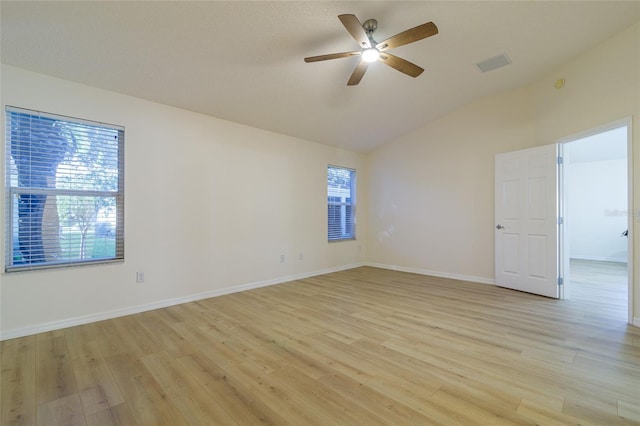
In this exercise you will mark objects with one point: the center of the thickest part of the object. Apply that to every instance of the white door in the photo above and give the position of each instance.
(526, 220)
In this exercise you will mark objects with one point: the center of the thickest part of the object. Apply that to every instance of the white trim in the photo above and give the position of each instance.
(630, 230)
(626, 121)
(469, 278)
(85, 319)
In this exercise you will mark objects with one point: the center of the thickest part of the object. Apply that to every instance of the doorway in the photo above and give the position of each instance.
(595, 205)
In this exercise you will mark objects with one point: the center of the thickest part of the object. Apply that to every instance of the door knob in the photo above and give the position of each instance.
(499, 226)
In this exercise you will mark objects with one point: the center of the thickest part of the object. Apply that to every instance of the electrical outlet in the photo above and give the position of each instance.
(139, 277)
(282, 258)
(301, 256)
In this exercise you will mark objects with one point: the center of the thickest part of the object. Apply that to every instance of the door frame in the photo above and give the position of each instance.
(564, 257)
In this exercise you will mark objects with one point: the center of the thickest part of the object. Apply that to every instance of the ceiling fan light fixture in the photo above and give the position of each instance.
(370, 55)
(371, 51)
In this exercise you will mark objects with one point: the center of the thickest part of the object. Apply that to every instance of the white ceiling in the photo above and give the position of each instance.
(243, 61)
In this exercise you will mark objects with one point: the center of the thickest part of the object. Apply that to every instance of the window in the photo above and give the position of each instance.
(341, 196)
(65, 191)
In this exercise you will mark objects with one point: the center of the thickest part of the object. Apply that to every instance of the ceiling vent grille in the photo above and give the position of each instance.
(493, 63)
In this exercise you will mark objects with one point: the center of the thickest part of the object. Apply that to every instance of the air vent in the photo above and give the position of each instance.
(493, 63)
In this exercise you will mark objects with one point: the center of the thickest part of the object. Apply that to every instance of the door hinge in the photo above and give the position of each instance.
(560, 221)
(560, 281)
(559, 160)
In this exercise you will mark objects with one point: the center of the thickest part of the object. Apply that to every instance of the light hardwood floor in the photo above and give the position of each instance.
(360, 347)
(602, 285)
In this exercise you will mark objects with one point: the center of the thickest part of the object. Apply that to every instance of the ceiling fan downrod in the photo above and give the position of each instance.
(370, 25)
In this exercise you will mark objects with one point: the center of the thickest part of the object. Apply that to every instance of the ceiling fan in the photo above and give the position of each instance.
(372, 51)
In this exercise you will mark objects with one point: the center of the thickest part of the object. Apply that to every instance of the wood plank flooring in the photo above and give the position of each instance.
(602, 285)
(359, 347)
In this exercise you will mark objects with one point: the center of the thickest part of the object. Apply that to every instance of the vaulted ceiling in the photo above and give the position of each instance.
(243, 61)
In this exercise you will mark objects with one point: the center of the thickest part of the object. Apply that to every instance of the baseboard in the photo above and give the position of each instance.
(600, 259)
(86, 319)
(636, 322)
(438, 274)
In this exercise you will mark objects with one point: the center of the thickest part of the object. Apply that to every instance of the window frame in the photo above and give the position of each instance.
(348, 206)
(12, 192)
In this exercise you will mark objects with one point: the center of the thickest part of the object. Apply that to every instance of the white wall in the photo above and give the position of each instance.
(431, 192)
(209, 206)
(596, 209)
(428, 196)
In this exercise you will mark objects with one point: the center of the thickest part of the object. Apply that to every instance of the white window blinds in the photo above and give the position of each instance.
(341, 198)
(65, 191)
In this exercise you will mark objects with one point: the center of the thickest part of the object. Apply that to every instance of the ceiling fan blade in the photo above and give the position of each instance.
(358, 73)
(409, 36)
(400, 64)
(356, 30)
(330, 56)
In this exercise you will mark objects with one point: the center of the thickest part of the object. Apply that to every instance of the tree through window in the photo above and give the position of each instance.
(65, 186)
(341, 193)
